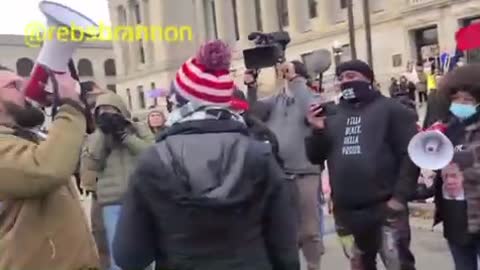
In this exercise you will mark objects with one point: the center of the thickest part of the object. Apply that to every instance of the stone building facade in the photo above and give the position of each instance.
(94, 60)
(402, 31)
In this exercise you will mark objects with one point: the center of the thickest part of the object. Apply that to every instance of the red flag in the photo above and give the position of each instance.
(468, 38)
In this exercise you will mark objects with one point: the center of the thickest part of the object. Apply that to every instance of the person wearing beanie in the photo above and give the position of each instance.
(456, 187)
(207, 195)
(372, 177)
(285, 114)
(156, 121)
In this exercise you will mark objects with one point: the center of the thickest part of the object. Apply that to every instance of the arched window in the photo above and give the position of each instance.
(24, 67)
(85, 68)
(109, 67)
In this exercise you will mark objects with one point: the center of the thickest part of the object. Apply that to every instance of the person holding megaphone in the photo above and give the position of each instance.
(42, 224)
(457, 185)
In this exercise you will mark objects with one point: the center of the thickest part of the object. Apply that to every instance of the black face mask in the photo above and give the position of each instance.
(357, 91)
(26, 117)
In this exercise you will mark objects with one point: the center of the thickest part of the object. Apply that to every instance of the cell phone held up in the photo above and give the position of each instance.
(326, 108)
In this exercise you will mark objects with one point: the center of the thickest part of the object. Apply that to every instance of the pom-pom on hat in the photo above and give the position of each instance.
(205, 78)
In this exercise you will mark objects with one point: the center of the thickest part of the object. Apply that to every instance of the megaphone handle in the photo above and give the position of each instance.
(56, 98)
(73, 71)
(83, 98)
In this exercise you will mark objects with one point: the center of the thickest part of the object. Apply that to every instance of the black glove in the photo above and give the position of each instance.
(105, 123)
(120, 127)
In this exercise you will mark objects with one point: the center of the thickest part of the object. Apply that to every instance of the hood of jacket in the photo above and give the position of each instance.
(220, 170)
(114, 100)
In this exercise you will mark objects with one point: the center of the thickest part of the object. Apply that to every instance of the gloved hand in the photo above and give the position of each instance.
(105, 123)
(120, 127)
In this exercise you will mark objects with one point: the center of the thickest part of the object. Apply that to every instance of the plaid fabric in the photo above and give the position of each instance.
(471, 174)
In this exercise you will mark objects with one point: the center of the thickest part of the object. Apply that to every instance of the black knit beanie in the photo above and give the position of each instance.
(358, 66)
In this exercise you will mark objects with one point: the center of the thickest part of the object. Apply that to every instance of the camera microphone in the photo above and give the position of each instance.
(254, 35)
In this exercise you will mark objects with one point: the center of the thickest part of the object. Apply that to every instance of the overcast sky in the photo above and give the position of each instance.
(16, 14)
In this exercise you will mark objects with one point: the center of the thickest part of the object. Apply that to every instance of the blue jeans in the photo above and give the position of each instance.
(111, 214)
(465, 257)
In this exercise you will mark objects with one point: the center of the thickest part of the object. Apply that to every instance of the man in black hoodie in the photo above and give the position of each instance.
(207, 196)
(364, 140)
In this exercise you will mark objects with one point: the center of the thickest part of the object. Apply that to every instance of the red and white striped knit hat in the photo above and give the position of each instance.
(205, 78)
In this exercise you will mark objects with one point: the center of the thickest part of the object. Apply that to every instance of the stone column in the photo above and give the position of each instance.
(158, 19)
(324, 11)
(200, 20)
(133, 51)
(225, 20)
(121, 62)
(147, 40)
(298, 14)
(246, 18)
(269, 15)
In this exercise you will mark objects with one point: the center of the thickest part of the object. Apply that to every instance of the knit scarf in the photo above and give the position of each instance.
(191, 112)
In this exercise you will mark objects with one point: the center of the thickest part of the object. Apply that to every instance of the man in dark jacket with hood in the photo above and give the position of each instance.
(364, 140)
(207, 196)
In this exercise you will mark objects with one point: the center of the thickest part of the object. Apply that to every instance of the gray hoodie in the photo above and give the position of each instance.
(285, 115)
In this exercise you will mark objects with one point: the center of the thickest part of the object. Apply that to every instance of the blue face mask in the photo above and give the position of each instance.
(463, 111)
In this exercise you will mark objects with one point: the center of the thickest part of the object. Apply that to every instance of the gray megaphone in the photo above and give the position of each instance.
(431, 150)
(318, 62)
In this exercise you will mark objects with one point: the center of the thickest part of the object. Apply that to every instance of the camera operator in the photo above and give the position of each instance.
(284, 113)
(111, 152)
(371, 175)
(42, 224)
(257, 127)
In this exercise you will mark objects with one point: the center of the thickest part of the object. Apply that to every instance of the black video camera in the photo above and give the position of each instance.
(269, 49)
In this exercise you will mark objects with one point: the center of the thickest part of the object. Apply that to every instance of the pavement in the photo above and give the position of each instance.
(428, 246)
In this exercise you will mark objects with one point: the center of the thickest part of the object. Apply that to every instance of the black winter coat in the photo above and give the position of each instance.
(207, 197)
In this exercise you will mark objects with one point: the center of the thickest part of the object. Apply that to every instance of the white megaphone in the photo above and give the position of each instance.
(55, 54)
(431, 149)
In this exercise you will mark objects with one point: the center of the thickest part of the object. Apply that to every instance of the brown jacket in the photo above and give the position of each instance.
(42, 223)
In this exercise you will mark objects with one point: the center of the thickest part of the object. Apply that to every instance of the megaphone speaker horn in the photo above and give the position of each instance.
(431, 150)
(55, 54)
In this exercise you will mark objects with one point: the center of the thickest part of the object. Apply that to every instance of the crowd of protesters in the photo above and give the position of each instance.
(234, 181)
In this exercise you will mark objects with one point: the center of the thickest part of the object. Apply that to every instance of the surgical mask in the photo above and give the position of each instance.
(356, 90)
(463, 111)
